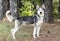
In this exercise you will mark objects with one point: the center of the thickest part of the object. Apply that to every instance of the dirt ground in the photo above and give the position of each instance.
(49, 32)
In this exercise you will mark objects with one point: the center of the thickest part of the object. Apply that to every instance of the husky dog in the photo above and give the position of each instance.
(37, 20)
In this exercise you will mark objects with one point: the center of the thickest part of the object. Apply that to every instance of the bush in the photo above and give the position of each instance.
(27, 8)
(55, 8)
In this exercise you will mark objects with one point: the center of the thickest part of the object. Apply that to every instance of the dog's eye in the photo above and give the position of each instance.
(40, 12)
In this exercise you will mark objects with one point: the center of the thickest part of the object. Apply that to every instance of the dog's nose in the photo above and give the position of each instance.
(40, 12)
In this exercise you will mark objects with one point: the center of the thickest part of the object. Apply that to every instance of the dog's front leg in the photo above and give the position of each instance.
(34, 31)
(38, 29)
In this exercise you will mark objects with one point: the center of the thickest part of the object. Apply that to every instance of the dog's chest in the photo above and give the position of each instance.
(40, 20)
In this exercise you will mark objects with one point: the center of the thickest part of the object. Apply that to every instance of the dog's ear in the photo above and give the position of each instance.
(43, 6)
(37, 6)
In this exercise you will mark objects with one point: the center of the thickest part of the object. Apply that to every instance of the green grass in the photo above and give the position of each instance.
(5, 28)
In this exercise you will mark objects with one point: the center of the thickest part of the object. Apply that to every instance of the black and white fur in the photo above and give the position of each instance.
(37, 20)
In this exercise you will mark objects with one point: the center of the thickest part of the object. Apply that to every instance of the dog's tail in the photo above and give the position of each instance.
(10, 18)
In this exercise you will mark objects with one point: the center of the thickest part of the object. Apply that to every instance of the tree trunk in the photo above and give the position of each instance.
(3, 8)
(48, 11)
(13, 8)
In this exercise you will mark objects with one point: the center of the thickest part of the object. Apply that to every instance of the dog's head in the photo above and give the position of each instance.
(40, 10)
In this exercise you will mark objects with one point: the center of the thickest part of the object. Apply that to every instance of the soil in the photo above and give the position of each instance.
(49, 32)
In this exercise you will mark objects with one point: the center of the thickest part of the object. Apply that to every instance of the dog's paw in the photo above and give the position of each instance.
(38, 36)
(34, 37)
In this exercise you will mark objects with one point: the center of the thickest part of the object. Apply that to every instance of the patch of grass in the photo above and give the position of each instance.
(5, 27)
(24, 33)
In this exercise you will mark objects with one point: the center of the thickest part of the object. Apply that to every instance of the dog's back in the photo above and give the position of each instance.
(28, 19)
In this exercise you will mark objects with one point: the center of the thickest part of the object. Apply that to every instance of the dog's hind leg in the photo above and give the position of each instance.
(14, 30)
(38, 29)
